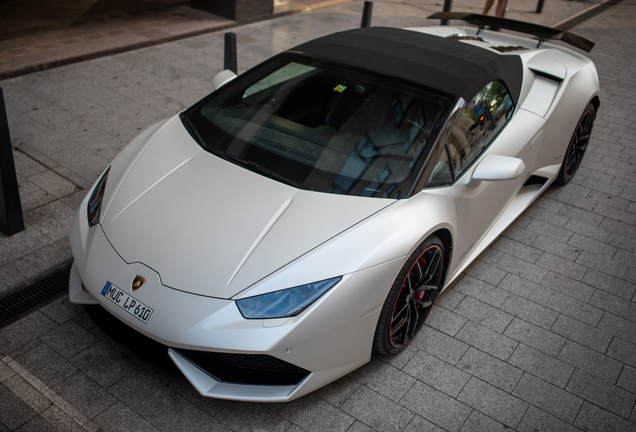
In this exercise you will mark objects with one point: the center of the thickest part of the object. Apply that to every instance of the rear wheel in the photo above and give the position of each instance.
(578, 145)
(411, 298)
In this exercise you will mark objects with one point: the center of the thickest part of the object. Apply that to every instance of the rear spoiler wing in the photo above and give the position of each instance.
(542, 32)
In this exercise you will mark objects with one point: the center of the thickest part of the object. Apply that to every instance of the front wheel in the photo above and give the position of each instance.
(578, 145)
(411, 298)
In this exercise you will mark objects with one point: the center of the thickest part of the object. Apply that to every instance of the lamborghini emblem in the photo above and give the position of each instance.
(137, 282)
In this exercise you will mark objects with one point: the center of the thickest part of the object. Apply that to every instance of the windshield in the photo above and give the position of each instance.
(321, 127)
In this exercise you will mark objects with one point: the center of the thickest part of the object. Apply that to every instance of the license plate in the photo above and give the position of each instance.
(127, 302)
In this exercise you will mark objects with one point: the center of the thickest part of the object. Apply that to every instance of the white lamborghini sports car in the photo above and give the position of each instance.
(309, 210)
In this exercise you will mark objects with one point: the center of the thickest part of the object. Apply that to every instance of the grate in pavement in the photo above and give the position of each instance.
(21, 301)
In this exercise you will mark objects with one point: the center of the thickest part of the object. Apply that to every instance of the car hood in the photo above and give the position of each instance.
(212, 228)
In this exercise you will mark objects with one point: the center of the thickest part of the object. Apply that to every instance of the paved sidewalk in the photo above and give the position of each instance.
(34, 37)
(539, 334)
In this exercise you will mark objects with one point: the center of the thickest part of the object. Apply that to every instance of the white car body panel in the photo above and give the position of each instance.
(198, 258)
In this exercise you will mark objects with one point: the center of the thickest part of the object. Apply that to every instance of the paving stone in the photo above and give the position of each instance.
(478, 422)
(616, 214)
(487, 340)
(601, 393)
(594, 418)
(337, 392)
(585, 230)
(617, 305)
(485, 272)
(517, 249)
(435, 406)
(522, 268)
(440, 345)
(24, 331)
(445, 320)
(582, 333)
(610, 284)
(536, 420)
(622, 242)
(358, 426)
(568, 286)
(5, 372)
(385, 379)
(581, 214)
(618, 326)
(535, 337)
(13, 412)
(418, 424)
(52, 219)
(61, 421)
(608, 200)
(37, 424)
(85, 395)
(68, 339)
(526, 289)
(493, 402)
(520, 234)
(46, 365)
(241, 416)
(619, 227)
(556, 248)
(400, 359)
(313, 414)
(92, 362)
(541, 365)
(450, 297)
(490, 369)
(27, 393)
(20, 244)
(562, 266)
(161, 406)
(575, 309)
(61, 310)
(119, 417)
(490, 256)
(484, 314)
(530, 311)
(482, 291)
(591, 361)
(623, 351)
(436, 373)
(543, 228)
(376, 411)
(627, 380)
(548, 397)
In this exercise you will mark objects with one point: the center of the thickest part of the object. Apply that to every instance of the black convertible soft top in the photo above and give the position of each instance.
(446, 64)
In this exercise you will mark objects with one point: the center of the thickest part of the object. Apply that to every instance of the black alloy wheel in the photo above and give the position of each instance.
(411, 298)
(578, 145)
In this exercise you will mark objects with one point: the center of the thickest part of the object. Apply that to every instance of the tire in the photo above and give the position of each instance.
(578, 144)
(411, 298)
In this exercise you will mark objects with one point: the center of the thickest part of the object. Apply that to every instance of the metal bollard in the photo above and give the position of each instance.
(540, 6)
(366, 14)
(447, 8)
(11, 220)
(229, 58)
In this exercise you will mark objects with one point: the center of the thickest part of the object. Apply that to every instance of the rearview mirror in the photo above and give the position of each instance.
(496, 168)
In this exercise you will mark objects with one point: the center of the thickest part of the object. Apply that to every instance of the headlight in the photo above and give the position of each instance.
(95, 201)
(285, 303)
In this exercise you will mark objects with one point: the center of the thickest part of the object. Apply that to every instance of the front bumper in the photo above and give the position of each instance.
(331, 338)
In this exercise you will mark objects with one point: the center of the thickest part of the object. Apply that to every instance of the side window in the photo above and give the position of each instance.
(474, 130)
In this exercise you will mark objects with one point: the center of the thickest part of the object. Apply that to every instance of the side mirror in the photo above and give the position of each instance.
(495, 168)
(223, 77)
